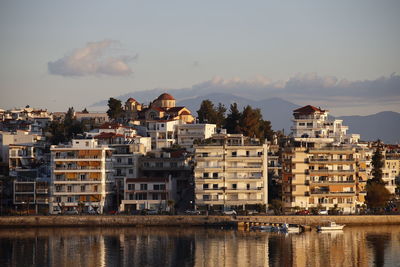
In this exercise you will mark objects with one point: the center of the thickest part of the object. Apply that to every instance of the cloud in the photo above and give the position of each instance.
(93, 59)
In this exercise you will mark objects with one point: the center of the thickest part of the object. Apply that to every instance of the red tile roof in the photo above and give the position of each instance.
(308, 110)
(166, 96)
(131, 100)
(107, 135)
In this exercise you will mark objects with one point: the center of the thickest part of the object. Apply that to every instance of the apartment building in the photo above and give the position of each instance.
(320, 175)
(177, 166)
(162, 133)
(391, 167)
(231, 171)
(146, 193)
(313, 122)
(31, 194)
(81, 175)
(187, 134)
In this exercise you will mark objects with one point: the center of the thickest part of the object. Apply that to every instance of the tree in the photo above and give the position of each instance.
(232, 120)
(377, 194)
(250, 122)
(220, 115)
(206, 113)
(276, 205)
(85, 110)
(115, 110)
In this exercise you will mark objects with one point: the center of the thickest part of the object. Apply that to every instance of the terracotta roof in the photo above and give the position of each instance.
(175, 109)
(308, 110)
(107, 135)
(131, 100)
(166, 96)
(185, 113)
(109, 125)
(158, 109)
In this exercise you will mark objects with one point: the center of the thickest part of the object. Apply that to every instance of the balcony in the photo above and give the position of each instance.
(78, 169)
(326, 172)
(42, 190)
(322, 192)
(330, 161)
(332, 182)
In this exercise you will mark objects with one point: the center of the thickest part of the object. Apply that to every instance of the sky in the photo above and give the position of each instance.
(57, 54)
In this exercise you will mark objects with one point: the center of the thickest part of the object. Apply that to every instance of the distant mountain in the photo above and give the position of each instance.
(383, 125)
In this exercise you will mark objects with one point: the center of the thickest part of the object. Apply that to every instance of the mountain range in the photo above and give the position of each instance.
(383, 125)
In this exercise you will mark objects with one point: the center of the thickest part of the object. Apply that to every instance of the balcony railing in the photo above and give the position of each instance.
(77, 168)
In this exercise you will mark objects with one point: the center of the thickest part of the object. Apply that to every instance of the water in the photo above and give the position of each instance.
(355, 246)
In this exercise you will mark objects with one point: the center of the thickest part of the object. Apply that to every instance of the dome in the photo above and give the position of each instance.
(166, 96)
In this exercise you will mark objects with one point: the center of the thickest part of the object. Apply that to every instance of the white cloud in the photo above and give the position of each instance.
(93, 59)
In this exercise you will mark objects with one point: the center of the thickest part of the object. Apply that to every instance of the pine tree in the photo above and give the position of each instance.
(232, 120)
(115, 110)
(206, 113)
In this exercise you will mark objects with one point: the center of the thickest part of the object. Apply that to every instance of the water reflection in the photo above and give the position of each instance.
(357, 246)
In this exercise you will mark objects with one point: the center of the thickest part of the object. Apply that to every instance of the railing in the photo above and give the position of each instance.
(330, 160)
(77, 157)
(333, 182)
(77, 168)
(318, 192)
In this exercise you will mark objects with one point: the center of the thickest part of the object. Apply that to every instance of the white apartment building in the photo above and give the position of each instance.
(81, 175)
(189, 133)
(313, 122)
(162, 133)
(146, 193)
(17, 138)
(231, 172)
(391, 167)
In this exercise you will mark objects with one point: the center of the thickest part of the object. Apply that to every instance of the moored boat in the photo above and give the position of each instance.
(330, 226)
(291, 228)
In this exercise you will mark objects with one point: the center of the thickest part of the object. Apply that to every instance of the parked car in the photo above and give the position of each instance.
(71, 212)
(229, 212)
(323, 212)
(149, 212)
(192, 212)
(303, 212)
(56, 210)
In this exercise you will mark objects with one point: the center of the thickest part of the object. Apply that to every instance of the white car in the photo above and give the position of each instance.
(323, 212)
(229, 212)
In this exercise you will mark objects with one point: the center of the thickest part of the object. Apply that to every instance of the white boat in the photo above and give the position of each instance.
(330, 226)
(291, 228)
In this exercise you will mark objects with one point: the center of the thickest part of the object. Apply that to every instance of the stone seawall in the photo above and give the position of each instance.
(155, 220)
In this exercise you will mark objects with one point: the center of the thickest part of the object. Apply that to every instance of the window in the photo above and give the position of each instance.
(130, 196)
(155, 196)
(58, 199)
(247, 153)
(141, 196)
(82, 188)
(205, 175)
(58, 188)
(69, 199)
(162, 186)
(69, 189)
(215, 175)
(204, 154)
(159, 164)
(143, 186)
(234, 153)
(130, 161)
(205, 186)
(156, 187)
(131, 187)
(302, 124)
(206, 197)
(234, 186)
(95, 188)
(83, 177)
(173, 164)
(215, 186)
(146, 164)
(130, 171)
(248, 186)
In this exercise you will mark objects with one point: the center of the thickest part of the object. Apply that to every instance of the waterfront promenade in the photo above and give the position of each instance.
(186, 220)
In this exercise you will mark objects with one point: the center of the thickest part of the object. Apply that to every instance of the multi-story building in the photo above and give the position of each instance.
(187, 134)
(313, 122)
(391, 167)
(162, 133)
(81, 175)
(317, 175)
(231, 172)
(146, 193)
(176, 165)
(31, 194)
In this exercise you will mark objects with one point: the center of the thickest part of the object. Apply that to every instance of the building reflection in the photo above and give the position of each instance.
(356, 246)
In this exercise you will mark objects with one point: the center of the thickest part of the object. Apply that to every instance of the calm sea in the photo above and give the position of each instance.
(355, 246)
